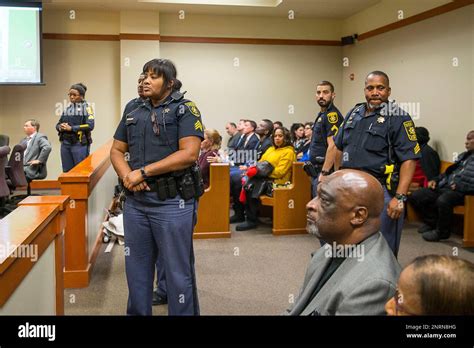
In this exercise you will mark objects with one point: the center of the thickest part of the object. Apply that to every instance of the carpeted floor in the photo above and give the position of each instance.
(252, 273)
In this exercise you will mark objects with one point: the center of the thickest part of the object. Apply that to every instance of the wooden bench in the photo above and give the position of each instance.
(213, 209)
(289, 204)
(467, 210)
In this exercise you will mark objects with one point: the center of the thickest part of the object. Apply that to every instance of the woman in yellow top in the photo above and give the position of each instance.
(281, 156)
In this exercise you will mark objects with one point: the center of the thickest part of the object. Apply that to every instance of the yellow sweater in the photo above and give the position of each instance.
(282, 161)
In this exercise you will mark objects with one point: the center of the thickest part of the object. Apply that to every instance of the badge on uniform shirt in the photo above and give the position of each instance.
(166, 110)
(320, 120)
(381, 119)
(332, 117)
(193, 108)
(198, 125)
(410, 129)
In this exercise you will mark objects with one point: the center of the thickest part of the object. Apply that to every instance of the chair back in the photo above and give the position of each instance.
(16, 172)
(4, 190)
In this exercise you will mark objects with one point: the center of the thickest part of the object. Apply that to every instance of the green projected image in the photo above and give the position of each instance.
(19, 45)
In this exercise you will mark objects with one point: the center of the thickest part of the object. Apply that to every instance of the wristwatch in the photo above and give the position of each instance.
(401, 197)
(142, 170)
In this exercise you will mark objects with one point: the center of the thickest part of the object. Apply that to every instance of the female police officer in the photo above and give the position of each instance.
(75, 127)
(154, 152)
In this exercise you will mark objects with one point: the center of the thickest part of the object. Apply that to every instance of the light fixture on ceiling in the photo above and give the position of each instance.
(254, 3)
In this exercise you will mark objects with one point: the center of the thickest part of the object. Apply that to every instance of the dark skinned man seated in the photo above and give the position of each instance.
(355, 273)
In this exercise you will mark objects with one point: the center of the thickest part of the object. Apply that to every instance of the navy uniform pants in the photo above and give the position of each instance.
(72, 154)
(391, 229)
(166, 227)
(160, 276)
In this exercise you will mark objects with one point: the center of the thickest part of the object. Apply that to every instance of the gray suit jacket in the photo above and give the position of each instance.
(356, 288)
(39, 149)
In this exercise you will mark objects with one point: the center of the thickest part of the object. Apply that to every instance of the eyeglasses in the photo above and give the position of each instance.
(156, 127)
(399, 308)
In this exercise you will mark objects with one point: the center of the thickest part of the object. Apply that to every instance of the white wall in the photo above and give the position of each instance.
(419, 62)
(266, 82)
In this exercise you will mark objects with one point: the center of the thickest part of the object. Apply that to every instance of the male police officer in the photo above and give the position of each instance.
(378, 137)
(325, 127)
(162, 141)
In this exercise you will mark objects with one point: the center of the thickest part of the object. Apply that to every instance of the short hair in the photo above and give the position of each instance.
(232, 124)
(268, 126)
(215, 137)
(253, 123)
(445, 285)
(326, 83)
(311, 124)
(34, 123)
(379, 73)
(278, 123)
(164, 68)
(286, 137)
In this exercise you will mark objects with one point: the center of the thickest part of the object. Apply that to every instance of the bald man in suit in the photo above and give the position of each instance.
(37, 151)
(355, 273)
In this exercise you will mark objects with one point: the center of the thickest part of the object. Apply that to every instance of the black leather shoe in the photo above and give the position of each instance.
(247, 225)
(159, 300)
(236, 218)
(425, 228)
(434, 236)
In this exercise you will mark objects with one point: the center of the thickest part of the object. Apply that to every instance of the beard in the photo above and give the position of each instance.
(323, 102)
(312, 229)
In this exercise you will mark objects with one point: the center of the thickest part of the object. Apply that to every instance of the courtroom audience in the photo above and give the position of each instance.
(434, 285)
(297, 136)
(277, 124)
(278, 161)
(355, 273)
(234, 134)
(436, 202)
(209, 148)
(303, 154)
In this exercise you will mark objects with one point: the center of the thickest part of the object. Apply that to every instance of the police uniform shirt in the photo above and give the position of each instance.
(175, 119)
(80, 116)
(326, 125)
(364, 139)
(132, 105)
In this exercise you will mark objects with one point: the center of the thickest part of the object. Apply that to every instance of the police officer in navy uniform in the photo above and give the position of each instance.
(75, 127)
(378, 137)
(154, 152)
(325, 126)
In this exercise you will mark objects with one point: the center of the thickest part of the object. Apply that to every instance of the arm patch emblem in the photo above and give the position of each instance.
(193, 109)
(410, 129)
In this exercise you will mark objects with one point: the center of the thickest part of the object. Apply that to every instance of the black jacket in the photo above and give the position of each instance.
(464, 180)
(429, 162)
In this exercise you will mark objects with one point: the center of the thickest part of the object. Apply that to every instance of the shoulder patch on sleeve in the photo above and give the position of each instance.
(410, 129)
(333, 117)
(90, 112)
(193, 108)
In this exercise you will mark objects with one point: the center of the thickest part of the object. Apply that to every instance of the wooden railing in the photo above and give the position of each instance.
(78, 184)
(31, 257)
